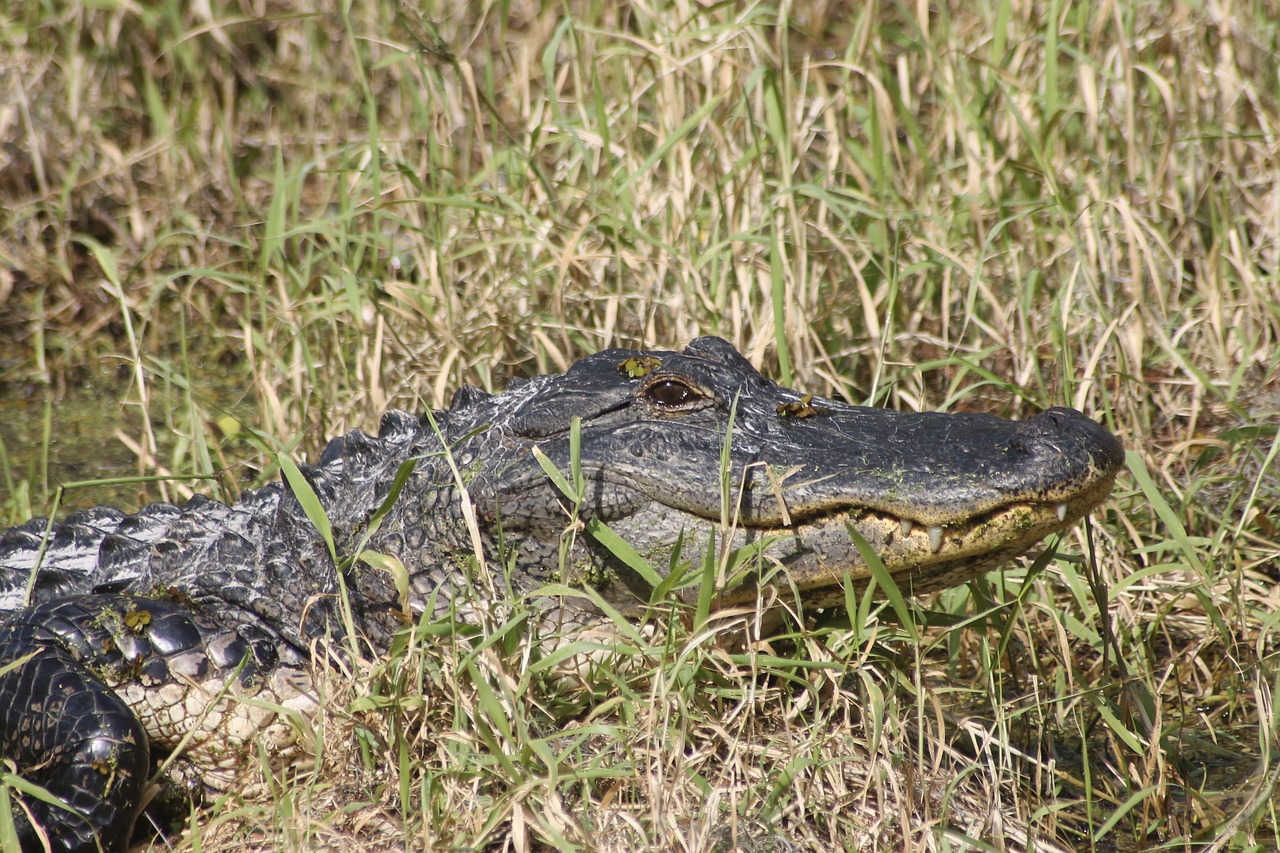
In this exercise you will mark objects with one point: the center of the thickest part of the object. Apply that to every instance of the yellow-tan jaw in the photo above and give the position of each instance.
(926, 558)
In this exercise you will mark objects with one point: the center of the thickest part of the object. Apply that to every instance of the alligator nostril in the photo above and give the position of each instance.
(1058, 430)
(1045, 428)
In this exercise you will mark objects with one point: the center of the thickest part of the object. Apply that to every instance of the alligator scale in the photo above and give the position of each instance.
(129, 636)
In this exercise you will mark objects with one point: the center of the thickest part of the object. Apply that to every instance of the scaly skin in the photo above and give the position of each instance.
(148, 629)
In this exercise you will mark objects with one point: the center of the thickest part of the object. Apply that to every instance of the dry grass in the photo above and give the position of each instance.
(242, 227)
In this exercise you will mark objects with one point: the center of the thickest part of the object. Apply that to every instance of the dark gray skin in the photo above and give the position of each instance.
(131, 611)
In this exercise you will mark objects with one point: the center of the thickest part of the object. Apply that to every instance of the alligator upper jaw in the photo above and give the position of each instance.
(936, 471)
(994, 482)
(926, 475)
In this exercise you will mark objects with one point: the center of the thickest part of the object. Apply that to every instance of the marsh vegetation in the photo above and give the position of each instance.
(233, 229)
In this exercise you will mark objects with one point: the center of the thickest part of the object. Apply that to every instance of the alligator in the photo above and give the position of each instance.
(191, 628)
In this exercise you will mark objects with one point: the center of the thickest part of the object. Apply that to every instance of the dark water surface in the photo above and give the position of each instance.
(51, 439)
(79, 435)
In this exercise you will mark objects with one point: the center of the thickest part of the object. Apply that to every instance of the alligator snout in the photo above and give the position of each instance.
(1066, 451)
(1066, 432)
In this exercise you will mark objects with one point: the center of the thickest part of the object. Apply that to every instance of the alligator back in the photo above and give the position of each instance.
(261, 554)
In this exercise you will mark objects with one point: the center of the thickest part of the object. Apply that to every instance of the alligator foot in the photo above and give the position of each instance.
(69, 733)
(104, 683)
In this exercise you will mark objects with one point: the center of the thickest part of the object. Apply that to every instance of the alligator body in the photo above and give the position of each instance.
(129, 636)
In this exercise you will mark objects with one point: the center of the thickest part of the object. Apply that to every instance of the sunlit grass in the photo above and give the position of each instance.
(230, 238)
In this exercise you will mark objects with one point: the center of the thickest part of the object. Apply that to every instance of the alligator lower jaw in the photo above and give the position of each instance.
(824, 561)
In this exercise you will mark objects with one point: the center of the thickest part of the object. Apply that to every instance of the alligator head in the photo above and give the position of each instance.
(680, 451)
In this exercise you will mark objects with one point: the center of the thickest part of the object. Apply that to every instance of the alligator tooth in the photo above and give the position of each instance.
(1062, 512)
(907, 524)
(935, 538)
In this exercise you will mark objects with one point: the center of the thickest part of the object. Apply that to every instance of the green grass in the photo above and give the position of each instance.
(224, 239)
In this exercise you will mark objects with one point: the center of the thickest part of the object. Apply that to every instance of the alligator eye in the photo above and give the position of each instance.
(671, 393)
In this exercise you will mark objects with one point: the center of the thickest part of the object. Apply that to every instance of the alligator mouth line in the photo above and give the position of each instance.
(921, 558)
(1068, 506)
